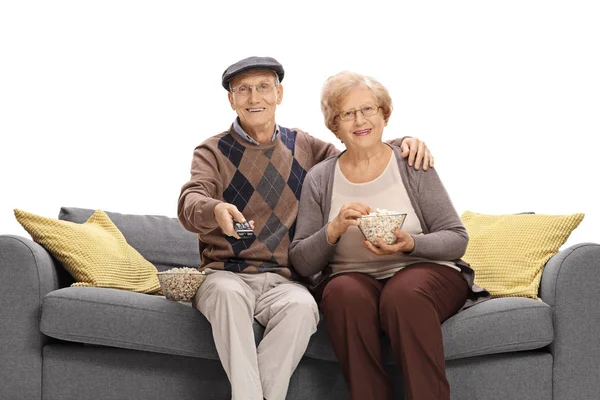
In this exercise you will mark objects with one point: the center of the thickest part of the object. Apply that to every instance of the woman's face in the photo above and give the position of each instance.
(356, 130)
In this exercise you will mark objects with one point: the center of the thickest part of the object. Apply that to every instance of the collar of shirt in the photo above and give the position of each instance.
(240, 131)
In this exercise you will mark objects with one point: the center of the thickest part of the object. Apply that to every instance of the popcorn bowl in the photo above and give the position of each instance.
(180, 284)
(381, 224)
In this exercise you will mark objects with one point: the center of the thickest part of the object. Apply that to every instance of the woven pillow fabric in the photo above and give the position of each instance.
(95, 253)
(509, 252)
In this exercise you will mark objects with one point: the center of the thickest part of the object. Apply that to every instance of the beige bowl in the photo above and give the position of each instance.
(382, 225)
(180, 284)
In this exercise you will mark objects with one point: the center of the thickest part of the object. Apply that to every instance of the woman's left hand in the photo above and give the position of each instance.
(404, 243)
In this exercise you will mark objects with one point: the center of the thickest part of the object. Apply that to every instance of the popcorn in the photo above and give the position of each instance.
(381, 211)
(180, 284)
(381, 223)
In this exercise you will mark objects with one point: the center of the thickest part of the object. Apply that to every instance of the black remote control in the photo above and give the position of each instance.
(243, 229)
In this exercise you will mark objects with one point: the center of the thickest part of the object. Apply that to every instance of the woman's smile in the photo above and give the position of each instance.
(362, 132)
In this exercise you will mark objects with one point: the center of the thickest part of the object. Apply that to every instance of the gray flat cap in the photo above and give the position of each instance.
(249, 63)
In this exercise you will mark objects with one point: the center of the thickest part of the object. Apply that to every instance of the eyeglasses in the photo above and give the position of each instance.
(244, 90)
(367, 111)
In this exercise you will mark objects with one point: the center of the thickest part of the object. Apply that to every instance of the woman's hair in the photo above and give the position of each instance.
(337, 86)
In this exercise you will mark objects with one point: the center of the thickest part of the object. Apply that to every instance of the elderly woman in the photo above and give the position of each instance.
(406, 289)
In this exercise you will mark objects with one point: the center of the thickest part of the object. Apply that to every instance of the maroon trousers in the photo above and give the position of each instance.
(409, 308)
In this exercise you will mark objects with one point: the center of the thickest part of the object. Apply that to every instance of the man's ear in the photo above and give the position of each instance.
(279, 94)
(230, 97)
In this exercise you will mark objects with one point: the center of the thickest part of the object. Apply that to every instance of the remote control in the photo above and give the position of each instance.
(243, 229)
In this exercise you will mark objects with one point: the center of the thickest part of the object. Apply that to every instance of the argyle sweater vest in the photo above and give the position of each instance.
(264, 182)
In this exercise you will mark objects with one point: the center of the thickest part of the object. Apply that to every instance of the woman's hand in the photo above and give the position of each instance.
(404, 243)
(347, 217)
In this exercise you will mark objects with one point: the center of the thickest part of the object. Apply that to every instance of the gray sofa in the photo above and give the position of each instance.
(59, 342)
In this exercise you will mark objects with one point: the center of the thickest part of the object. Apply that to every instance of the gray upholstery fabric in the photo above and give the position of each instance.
(129, 320)
(570, 286)
(159, 239)
(498, 326)
(137, 321)
(494, 326)
(27, 273)
(74, 372)
(509, 376)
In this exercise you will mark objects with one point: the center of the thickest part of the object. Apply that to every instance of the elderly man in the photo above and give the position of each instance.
(254, 172)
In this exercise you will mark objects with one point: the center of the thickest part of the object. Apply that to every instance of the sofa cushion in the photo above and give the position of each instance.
(508, 252)
(161, 240)
(128, 320)
(494, 326)
(95, 253)
(137, 321)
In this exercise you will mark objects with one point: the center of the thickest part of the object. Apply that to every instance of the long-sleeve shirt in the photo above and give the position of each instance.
(444, 236)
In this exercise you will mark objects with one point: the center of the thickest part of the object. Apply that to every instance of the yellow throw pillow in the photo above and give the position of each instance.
(95, 253)
(508, 252)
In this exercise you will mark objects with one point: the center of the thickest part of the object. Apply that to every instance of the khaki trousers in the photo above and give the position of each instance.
(231, 301)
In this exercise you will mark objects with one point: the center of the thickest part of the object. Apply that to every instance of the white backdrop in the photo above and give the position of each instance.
(102, 103)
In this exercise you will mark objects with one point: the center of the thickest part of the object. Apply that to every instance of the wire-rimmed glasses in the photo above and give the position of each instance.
(366, 110)
(245, 90)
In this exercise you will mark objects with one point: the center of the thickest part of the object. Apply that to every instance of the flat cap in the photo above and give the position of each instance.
(250, 63)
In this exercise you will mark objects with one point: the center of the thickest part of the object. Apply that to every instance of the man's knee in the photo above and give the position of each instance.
(221, 285)
(301, 305)
(221, 288)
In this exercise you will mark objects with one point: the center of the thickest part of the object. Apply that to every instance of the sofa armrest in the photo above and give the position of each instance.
(571, 286)
(27, 274)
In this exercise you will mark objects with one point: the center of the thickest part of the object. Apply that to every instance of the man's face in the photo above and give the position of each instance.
(256, 109)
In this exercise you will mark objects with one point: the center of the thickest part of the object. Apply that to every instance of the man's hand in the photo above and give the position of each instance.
(417, 152)
(225, 213)
(404, 243)
(347, 217)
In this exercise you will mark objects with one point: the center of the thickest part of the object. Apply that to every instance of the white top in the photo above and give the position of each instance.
(387, 191)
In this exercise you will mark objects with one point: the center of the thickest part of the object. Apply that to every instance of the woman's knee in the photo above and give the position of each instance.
(404, 300)
(405, 296)
(349, 291)
(420, 289)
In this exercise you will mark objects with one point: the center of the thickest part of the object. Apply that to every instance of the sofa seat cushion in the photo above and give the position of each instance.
(129, 320)
(495, 326)
(123, 319)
